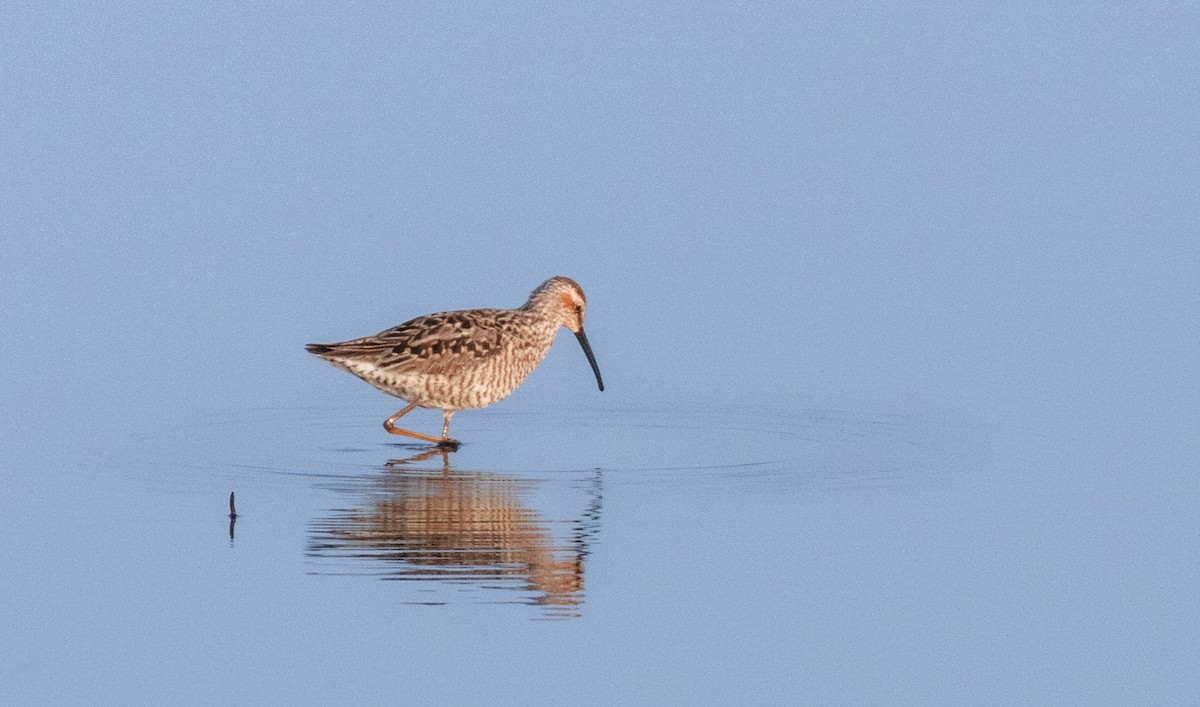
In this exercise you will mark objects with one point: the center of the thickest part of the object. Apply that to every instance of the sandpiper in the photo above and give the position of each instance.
(453, 361)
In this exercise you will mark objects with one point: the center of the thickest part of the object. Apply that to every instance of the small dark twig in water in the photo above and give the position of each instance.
(232, 518)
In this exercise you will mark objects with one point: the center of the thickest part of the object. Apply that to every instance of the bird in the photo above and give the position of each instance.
(466, 359)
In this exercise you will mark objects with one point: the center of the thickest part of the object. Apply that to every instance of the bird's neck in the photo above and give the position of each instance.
(543, 315)
(542, 307)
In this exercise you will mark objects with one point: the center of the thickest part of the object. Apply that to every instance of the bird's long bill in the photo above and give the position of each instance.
(587, 349)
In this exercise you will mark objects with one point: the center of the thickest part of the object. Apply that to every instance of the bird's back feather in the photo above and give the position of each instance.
(432, 344)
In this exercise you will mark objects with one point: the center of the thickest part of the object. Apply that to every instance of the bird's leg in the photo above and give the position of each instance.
(445, 441)
(387, 425)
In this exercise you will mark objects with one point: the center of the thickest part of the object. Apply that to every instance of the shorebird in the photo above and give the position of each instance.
(453, 361)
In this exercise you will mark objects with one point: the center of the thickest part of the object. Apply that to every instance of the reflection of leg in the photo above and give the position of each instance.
(387, 425)
(427, 454)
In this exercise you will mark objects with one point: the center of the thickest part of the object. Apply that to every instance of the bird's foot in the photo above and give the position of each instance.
(448, 444)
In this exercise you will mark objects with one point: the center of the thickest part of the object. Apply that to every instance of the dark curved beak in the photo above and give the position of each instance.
(587, 349)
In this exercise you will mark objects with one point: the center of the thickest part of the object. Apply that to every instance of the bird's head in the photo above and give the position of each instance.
(561, 299)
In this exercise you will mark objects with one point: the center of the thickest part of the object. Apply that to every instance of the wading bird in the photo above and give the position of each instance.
(453, 361)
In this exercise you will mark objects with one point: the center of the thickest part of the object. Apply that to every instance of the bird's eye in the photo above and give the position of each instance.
(579, 309)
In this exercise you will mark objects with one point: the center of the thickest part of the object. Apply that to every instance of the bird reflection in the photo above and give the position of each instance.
(464, 527)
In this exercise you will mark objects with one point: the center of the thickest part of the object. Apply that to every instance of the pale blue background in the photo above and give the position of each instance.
(937, 266)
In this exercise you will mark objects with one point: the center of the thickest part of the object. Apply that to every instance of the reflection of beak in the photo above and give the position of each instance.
(587, 349)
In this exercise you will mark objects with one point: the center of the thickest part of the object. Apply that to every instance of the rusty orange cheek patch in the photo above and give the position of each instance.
(568, 302)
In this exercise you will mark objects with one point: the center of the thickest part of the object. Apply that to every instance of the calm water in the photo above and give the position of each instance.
(758, 554)
(896, 309)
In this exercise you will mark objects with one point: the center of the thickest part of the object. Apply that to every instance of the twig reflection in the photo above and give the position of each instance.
(465, 527)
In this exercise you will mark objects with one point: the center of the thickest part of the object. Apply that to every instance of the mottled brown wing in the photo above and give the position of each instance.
(433, 344)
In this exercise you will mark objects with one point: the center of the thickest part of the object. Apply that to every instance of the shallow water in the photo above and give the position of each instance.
(705, 556)
(531, 526)
(457, 528)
